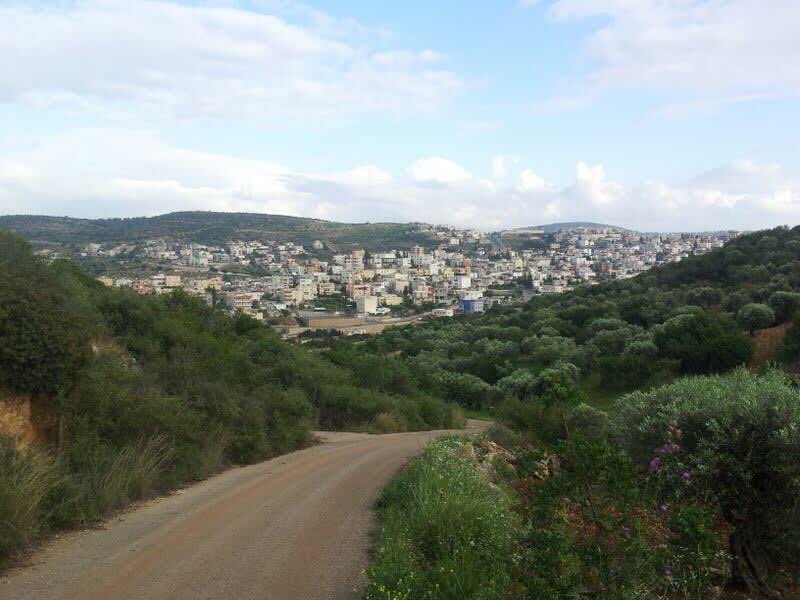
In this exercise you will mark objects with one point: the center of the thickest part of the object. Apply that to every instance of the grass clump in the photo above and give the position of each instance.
(26, 479)
(446, 531)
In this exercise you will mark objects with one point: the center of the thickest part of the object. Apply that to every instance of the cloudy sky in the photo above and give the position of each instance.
(653, 114)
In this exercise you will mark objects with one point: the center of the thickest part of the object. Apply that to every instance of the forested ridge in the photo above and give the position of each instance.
(213, 228)
(148, 392)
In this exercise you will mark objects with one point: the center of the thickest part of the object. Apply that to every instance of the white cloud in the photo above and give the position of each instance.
(591, 185)
(438, 170)
(531, 182)
(161, 59)
(707, 53)
(500, 165)
(103, 172)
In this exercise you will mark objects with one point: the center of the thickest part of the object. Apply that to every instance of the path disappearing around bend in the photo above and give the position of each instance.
(296, 527)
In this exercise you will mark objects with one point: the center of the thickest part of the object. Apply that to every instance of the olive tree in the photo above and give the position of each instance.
(755, 316)
(784, 304)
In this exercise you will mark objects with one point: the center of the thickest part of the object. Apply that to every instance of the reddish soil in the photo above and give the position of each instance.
(767, 344)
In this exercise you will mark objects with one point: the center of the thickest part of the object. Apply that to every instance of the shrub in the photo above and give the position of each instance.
(389, 423)
(732, 443)
(587, 422)
(596, 531)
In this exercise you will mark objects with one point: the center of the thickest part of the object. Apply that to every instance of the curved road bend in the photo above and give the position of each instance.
(294, 527)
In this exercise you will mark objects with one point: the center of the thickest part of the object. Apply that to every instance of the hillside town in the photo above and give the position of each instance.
(460, 271)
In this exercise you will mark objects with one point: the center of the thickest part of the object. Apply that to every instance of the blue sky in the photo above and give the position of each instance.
(655, 114)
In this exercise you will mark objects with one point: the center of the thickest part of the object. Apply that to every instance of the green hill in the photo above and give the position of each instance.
(214, 228)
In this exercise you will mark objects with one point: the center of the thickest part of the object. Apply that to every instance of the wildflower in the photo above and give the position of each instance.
(663, 508)
(686, 475)
(655, 464)
(668, 570)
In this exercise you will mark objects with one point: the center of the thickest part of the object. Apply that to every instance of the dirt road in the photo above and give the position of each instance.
(295, 527)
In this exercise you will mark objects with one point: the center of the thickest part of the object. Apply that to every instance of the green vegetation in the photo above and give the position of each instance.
(648, 462)
(755, 316)
(686, 318)
(731, 444)
(446, 532)
(151, 392)
(214, 228)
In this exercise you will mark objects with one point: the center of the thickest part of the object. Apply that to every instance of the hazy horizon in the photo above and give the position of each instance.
(653, 115)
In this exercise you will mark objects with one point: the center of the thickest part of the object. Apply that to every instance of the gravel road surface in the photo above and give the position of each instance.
(295, 527)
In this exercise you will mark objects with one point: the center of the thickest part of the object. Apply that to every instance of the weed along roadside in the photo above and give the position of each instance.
(445, 529)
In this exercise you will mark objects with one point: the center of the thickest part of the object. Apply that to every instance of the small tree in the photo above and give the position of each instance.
(755, 316)
(704, 296)
(735, 301)
(784, 304)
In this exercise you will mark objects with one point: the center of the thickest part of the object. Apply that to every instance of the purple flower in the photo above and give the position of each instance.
(655, 464)
(667, 536)
(626, 530)
(668, 570)
(663, 508)
(686, 475)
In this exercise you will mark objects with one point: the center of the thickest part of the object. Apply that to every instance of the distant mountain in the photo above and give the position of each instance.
(215, 228)
(556, 227)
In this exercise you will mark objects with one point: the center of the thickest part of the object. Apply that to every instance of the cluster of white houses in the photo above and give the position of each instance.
(448, 277)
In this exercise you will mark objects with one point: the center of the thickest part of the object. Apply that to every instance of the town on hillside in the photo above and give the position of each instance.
(297, 288)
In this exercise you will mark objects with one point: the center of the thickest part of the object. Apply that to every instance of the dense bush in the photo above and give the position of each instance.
(595, 531)
(43, 339)
(732, 443)
(703, 343)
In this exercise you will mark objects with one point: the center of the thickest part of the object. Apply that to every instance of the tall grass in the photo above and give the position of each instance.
(25, 480)
(39, 492)
(114, 479)
(445, 532)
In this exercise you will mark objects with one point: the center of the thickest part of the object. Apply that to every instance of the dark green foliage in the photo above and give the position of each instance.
(735, 301)
(784, 305)
(704, 296)
(44, 340)
(755, 316)
(703, 343)
(790, 347)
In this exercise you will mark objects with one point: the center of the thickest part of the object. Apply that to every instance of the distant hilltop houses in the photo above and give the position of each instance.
(461, 271)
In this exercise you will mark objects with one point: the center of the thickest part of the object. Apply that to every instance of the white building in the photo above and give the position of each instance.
(367, 305)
